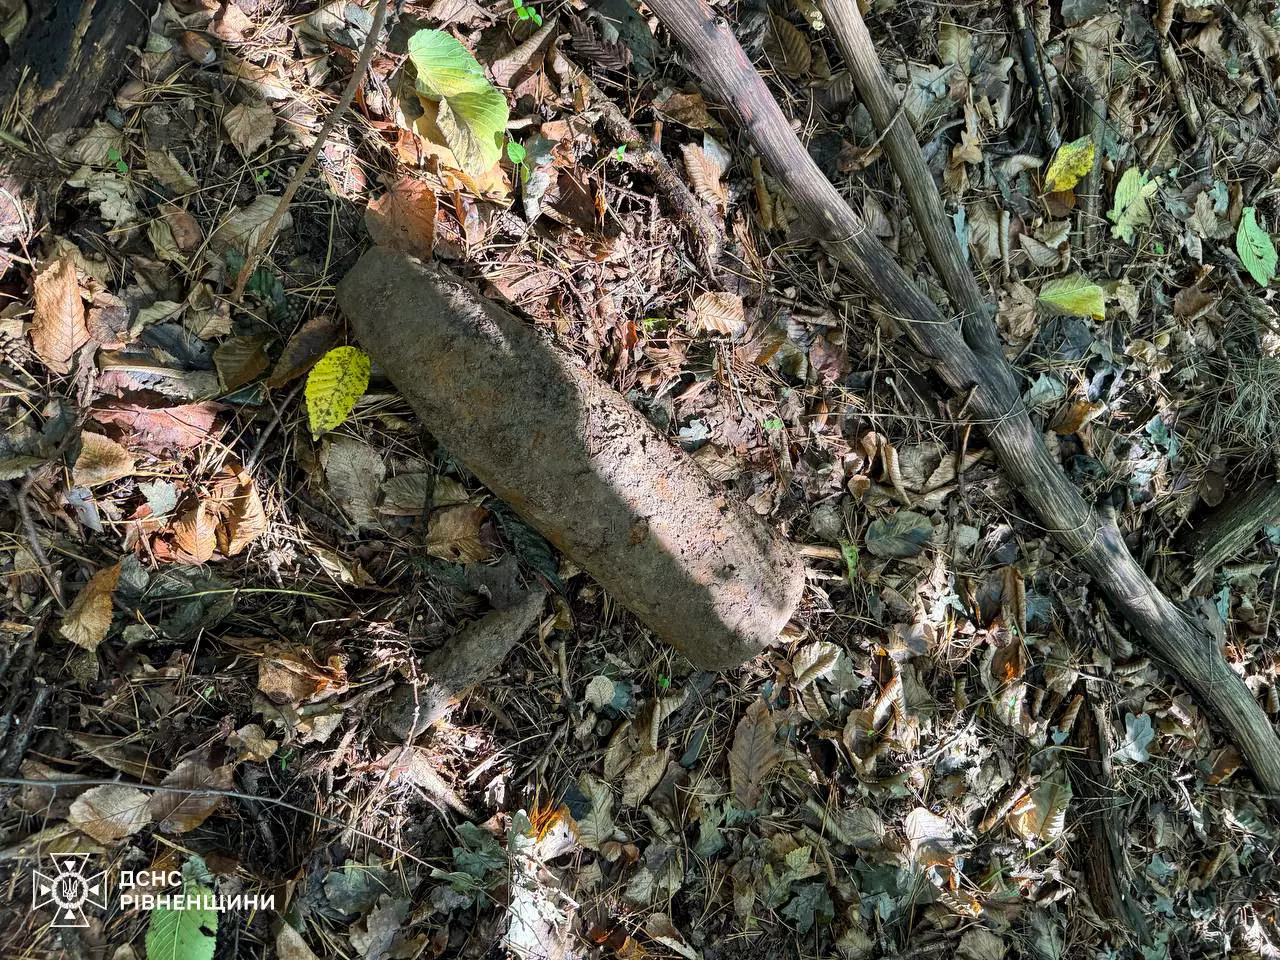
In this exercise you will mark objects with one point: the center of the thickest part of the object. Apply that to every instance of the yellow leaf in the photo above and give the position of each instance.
(1071, 163)
(333, 387)
(1074, 296)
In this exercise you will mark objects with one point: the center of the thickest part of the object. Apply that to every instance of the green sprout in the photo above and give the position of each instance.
(113, 157)
(526, 12)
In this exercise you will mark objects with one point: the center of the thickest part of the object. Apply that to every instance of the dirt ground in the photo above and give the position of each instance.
(219, 622)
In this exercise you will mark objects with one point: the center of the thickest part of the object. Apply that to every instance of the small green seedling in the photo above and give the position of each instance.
(619, 151)
(517, 154)
(262, 175)
(526, 12)
(113, 157)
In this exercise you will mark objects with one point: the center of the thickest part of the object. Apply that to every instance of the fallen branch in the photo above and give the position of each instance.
(985, 384)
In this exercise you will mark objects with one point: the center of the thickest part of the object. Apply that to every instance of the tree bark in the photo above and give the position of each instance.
(983, 384)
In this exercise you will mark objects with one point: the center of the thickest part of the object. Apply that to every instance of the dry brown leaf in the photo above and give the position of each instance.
(231, 24)
(311, 342)
(1041, 818)
(1077, 415)
(169, 172)
(130, 759)
(686, 109)
(101, 460)
(642, 776)
(754, 754)
(195, 532)
(110, 812)
(243, 517)
(186, 230)
(716, 312)
(251, 744)
(453, 533)
(404, 218)
(242, 229)
(240, 360)
(159, 430)
(249, 126)
(704, 174)
(289, 674)
(87, 622)
(58, 329)
(181, 812)
(788, 48)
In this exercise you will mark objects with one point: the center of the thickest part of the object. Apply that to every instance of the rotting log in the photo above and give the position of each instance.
(576, 461)
(984, 387)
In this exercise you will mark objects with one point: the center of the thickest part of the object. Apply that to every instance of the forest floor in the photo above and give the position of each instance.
(954, 749)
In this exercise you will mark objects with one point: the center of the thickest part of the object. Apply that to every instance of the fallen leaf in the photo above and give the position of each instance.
(251, 744)
(305, 348)
(788, 48)
(334, 385)
(243, 518)
(58, 325)
(754, 754)
(1130, 208)
(186, 230)
(404, 218)
(101, 460)
(240, 231)
(195, 532)
(704, 174)
(899, 535)
(169, 172)
(1042, 818)
(716, 312)
(291, 946)
(249, 126)
(353, 473)
(240, 360)
(159, 430)
(1074, 296)
(182, 812)
(687, 109)
(110, 812)
(289, 674)
(453, 533)
(595, 828)
(1255, 247)
(642, 776)
(88, 620)
(1070, 165)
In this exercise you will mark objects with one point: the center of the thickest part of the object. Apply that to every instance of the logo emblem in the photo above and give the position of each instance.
(69, 889)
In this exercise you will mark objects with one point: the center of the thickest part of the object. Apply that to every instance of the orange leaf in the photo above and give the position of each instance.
(404, 218)
(87, 622)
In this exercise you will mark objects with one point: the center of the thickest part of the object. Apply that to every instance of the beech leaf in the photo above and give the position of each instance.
(1074, 296)
(1070, 165)
(754, 754)
(334, 384)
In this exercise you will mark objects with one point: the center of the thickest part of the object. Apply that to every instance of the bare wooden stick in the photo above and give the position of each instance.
(344, 102)
(713, 55)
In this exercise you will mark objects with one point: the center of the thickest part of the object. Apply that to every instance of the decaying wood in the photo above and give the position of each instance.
(1231, 529)
(67, 63)
(576, 461)
(464, 661)
(986, 383)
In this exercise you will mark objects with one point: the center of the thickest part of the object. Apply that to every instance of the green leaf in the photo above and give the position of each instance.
(1129, 208)
(516, 152)
(473, 112)
(333, 387)
(1071, 163)
(445, 67)
(183, 934)
(473, 123)
(1075, 296)
(1253, 244)
(850, 553)
(903, 534)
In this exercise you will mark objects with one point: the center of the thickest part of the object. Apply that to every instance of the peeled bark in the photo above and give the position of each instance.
(576, 461)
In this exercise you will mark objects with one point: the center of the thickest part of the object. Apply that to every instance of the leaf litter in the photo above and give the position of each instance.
(907, 769)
